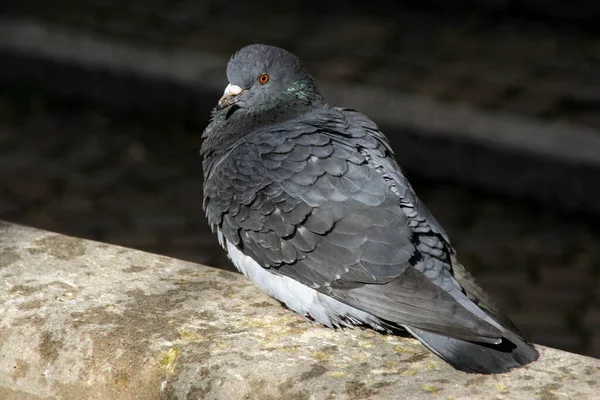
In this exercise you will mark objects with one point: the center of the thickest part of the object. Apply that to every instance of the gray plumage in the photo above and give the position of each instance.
(310, 203)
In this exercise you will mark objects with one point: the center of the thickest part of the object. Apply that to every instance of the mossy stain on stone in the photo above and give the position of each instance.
(261, 304)
(49, 347)
(592, 370)
(8, 257)
(324, 354)
(30, 305)
(9, 393)
(287, 390)
(186, 336)
(476, 381)
(356, 390)
(431, 365)
(409, 372)
(402, 350)
(168, 361)
(288, 349)
(24, 290)
(416, 357)
(134, 269)
(433, 390)
(20, 369)
(62, 247)
(548, 392)
(315, 371)
(500, 387)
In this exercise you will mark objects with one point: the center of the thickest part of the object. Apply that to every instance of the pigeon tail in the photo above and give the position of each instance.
(480, 358)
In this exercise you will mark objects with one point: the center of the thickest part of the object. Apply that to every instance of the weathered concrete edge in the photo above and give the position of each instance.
(82, 319)
(205, 71)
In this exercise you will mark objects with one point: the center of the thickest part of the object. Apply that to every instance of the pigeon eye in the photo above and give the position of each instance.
(263, 78)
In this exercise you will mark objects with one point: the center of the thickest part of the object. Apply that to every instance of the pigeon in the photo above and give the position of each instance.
(309, 202)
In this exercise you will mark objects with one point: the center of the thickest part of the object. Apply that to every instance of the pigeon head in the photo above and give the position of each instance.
(266, 78)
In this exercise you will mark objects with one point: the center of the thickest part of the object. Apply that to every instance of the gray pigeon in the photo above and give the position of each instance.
(309, 203)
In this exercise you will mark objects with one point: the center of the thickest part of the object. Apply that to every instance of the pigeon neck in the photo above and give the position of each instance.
(231, 125)
(305, 92)
(224, 133)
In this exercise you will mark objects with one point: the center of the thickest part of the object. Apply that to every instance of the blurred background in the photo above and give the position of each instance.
(492, 106)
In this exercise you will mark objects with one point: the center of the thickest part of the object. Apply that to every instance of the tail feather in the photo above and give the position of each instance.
(480, 358)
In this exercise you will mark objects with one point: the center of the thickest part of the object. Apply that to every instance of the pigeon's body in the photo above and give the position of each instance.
(310, 204)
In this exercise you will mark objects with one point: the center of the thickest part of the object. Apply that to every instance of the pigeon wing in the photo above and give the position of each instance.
(422, 220)
(312, 202)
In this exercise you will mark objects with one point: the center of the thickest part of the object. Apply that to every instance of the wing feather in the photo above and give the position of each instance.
(326, 204)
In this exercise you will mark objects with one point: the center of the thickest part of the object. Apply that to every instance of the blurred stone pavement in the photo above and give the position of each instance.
(82, 170)
(487, 61)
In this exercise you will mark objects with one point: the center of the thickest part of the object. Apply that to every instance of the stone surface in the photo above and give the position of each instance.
(86, 320)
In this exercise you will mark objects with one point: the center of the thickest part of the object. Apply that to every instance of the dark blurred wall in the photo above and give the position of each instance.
(586, 10)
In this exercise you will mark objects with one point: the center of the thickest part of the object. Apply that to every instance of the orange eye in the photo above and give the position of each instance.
(263, 78)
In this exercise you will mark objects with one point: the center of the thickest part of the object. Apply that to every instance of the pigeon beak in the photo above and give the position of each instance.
(229, 95)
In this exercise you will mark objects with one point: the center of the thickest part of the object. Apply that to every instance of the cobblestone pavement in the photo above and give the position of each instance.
(110, 178)
(489, 62)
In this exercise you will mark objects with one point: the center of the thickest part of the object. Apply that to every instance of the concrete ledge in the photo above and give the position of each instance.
(507, 153)
(85, 320)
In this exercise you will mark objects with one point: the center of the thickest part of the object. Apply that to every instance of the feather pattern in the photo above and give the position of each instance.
(315, 209)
